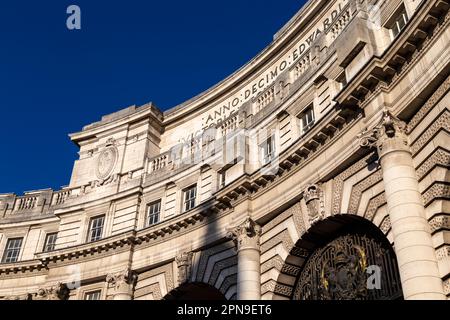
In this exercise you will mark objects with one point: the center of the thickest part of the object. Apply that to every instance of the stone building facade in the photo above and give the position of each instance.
(320, 170)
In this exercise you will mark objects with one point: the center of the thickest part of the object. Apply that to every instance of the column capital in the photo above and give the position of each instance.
(59, 291)
(387, 136)
(122, 278)
(184, 262)
(246, 235)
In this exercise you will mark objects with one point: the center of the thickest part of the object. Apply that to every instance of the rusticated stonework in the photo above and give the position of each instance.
(283, 237)
(440, 222)
(437, 191)
(297, 215)
(439, 157)
(441, 123)
(338, 182)
(362, 186)
(443, 252)
(429, 105)
(373, 206)
(205, 257)
(57, 292)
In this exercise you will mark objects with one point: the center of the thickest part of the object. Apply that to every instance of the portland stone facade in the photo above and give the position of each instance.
(320, 170)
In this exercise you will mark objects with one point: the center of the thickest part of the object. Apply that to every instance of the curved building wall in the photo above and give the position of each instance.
(341, 123)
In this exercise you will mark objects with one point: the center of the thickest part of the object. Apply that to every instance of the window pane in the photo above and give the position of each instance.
(95, 295)
(268, 150)
(96, 228)
(189, 198)
(306, 120)
(154, 210)
(50, 242)
(12, 250)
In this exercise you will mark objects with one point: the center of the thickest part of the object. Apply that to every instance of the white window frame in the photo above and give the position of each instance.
(91, 228)
(268, 150)
(152, 213)
(305, 127)
(46, 244)
(5, 258)
(189, 203)
(97, 292)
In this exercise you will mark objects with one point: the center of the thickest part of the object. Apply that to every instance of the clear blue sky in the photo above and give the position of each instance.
(54, 81)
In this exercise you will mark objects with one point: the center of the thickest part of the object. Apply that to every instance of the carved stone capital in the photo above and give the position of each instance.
(122, 280)
(60, 291)
(184, 262)
(389, 135)
(246, 235)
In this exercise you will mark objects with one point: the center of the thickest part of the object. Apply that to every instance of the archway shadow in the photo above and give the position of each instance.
(195, 292)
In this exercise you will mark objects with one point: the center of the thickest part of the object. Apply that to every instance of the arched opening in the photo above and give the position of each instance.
(350, 259)
(195, 292)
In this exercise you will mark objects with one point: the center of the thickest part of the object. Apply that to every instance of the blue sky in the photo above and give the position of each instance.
(54, 81)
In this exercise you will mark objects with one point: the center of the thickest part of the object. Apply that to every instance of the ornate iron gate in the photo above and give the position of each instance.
(343, 269)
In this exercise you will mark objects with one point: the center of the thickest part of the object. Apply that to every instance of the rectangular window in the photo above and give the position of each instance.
(189, 198)
(93, 295)
(399, 22)
(153, 213)
(50, 242)
(96, 229)
(306, 120)
(268, 150)
(12, 250)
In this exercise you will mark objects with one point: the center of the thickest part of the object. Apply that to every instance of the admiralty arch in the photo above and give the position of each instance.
(317, 171)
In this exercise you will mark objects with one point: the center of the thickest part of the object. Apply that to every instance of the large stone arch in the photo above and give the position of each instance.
(317, 237)
(356, 193)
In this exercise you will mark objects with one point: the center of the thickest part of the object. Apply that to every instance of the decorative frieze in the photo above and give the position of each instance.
(338, 182)
(440, 222)
(59, 291)
(437, 191)
(441, 123)
(439, 157)
(373, 206)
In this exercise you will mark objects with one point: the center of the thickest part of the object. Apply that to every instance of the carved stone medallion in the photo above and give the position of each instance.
(106, 162)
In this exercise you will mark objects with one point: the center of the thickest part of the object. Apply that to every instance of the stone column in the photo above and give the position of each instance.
(246, 238)
(414, 248)
(122, 284)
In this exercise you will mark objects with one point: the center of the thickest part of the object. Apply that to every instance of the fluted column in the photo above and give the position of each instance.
(412, 233)
(246, 237)
(122, 284)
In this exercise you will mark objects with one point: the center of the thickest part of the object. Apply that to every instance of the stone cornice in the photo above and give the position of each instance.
(380, 71)
(144, 112)
(22, 267)
(86, 249)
